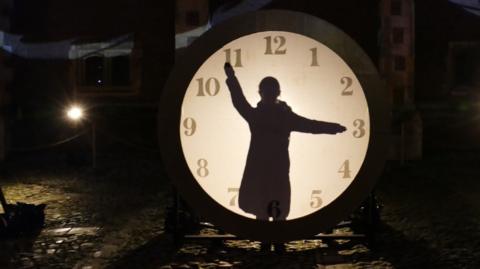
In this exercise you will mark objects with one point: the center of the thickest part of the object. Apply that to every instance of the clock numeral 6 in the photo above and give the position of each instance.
(360, 132)
(280, 40)
(207, 87)
(233, 201)
(190, 126)
(345, 169)
(238, 57)
(273, 209)
(349, 81)
(202, 170)
(316, 201)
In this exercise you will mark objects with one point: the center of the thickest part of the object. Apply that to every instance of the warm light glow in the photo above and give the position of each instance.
(75, 113)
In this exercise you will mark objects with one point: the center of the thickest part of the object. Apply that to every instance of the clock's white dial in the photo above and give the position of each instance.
(315, 83)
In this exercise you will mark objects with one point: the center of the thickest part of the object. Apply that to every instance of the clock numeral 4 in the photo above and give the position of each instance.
(202, 170)
(235, 191)
(348, 81)
(238, 57)
(211, 87)
(345, 169)
(360, 132)
(277, 40)
(316, 201)
(273, 210)
(190, 126)
(314, 57)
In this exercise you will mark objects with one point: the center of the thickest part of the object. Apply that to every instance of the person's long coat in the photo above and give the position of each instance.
(265, 187)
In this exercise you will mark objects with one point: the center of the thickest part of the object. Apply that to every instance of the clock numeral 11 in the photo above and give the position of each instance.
(238, 57)
(280, 40)
(202, 170)
(233, 201)
(207, 87)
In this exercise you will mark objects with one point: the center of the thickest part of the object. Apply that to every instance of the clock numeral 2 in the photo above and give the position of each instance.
(314, 57)
(233, 201)
(202, 170)
(360, 132)
(238, 57)
(316, 201)
(347, 91)
(345, 169)
(280, 50)
(207, 87)
(190, 126)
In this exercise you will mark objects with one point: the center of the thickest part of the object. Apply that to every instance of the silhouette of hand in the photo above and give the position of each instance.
(229, 70)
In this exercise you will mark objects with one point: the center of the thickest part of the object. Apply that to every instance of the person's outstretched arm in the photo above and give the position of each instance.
(238, 99)
(304, 125)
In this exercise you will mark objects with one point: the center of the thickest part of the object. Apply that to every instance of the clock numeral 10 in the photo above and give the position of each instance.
(316, 201)
(347, 91)
(238, 57)
(233, 201)
(202, 170)
(345, 169)
(207, 87)
(280, 40)
(360, 132)
(190, 126)
(314, 57)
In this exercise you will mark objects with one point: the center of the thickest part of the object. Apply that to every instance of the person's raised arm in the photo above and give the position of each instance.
(238, 99)
(304, 125)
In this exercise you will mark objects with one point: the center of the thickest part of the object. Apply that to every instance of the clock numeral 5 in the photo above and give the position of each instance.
(233, 201)
(207, 87)
(349, 81)
(345, 169)
(316, 201)
(238, 57)
(202, 170)
(360, 132)
(280, 40)
(190, 126)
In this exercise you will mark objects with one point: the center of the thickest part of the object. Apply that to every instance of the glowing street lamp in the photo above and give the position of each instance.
(76, 113)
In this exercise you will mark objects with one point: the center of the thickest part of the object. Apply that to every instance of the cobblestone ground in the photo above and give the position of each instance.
(114, 219)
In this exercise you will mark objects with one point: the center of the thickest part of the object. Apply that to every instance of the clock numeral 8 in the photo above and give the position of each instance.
(316, 201)
(233, 201)
(202, 170)
(190, 126)
(238, 57)
(280, 40)
(207, 87)
(349, 81)
(360, 132)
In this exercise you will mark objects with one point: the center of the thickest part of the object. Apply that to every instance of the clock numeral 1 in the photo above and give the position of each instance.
(190, 126)
(314, 57)
(273, 209)
(207, 87)
(238, 57)
(347, 91)
(316, 201)
(360, 132)
(202, 170)
(345, 169)
(233, 201)
(280, 40)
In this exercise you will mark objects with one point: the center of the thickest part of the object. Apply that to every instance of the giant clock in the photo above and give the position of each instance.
(274, 125)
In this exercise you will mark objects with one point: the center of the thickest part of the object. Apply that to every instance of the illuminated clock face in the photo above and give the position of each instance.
(285, 136)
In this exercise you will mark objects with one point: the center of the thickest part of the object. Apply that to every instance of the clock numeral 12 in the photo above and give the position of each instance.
(345, 169)
(360, 132)
(235, 191)
(314, 57)
(202, 170)
(207, 87)
(347, 91)
(190, 126)
(316, 201)
(280, 40)
(238, 57)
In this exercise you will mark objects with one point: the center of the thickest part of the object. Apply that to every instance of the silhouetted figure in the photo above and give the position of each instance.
(265, 187)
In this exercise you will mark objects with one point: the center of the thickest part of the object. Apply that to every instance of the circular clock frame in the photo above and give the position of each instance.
(193, 57)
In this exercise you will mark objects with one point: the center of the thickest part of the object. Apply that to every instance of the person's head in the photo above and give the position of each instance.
(269, 89)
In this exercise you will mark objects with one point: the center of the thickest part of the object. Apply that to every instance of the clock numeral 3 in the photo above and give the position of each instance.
(207, 87)
(280, 50)
(360, 132)
(316, 201)
(273, 209)
(314, 57)
(202, 170)
(347, 91)
(238, 57)
(190, 126)
(345, 169)
(233, 201)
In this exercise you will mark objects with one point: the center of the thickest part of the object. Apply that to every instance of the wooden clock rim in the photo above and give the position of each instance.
(213, 40)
